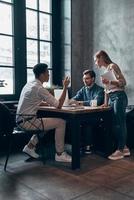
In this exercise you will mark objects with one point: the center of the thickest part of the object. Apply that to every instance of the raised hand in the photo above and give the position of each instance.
(66, 81)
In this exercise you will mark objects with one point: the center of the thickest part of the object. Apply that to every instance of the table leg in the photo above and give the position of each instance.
(75, 135)
(109, 145)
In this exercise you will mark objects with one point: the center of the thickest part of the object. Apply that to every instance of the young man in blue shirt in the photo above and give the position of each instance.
(90, 91)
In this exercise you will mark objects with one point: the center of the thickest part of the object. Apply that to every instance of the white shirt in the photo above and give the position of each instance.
(118, 77)
(33, 93)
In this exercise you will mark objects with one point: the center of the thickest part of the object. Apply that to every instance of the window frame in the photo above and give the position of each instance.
(20, 60)
(38, 39)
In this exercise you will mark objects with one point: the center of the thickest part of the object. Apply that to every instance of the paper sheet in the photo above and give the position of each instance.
(111, 77)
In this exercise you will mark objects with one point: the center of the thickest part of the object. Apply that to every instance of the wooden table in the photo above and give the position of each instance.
(75, 116)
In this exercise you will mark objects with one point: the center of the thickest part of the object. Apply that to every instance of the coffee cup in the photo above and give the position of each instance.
(94, 103)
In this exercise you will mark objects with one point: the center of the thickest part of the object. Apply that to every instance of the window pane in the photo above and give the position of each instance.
(46, 7)
(49, 83)
(31, 4)
(45, 53)
(6, 80)
(31, 53)
(67, 31)
(67, 9)
(45, 27)
(5, 19)
(30, 77)
(31, 17)
(6, 53)
(9, 1)
(67, 73)
(67, 58)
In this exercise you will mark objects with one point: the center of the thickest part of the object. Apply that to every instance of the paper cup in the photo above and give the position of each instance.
(94, 103)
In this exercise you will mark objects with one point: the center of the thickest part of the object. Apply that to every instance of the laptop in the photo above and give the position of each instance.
(57, 94)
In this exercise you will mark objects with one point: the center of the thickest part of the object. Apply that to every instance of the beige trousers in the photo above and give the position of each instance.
(48, 124)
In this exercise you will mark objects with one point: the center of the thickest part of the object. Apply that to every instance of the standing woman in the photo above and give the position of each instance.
(117, 98)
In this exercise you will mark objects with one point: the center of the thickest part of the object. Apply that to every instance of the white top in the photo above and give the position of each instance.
(113, 73)
(33, 93)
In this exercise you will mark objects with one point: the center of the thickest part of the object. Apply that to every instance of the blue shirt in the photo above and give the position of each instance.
(86, 94)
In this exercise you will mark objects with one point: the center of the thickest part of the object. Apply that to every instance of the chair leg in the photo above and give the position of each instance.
(8, 152)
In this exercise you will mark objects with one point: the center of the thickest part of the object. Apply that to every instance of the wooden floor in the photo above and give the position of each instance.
(98, 179)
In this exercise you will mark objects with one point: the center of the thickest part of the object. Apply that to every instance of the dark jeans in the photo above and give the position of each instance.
(87, 129)
(118, 101)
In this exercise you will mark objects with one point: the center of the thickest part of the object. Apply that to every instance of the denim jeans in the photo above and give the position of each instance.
(118, 101)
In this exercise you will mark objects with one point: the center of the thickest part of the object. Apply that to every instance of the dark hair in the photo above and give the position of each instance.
(90, 72)
(39, 69)
(104, 55)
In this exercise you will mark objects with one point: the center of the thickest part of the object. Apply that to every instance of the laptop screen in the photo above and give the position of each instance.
(57, 94)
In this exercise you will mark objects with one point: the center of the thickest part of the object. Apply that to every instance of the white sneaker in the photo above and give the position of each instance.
(64, 157)
(30, 152)
(87, 150)
(116, 155)
(126, 152)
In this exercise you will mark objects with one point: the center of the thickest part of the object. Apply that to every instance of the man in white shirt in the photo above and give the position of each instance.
(32, 95)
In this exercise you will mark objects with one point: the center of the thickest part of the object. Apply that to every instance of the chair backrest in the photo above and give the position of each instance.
(7, 121)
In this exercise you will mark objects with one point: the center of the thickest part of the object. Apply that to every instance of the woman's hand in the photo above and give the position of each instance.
(105, 81)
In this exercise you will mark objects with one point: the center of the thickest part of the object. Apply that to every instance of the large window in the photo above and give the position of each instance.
(31, 32)
(6, 48)
(25, 40)
(38, 35)
(66, 37)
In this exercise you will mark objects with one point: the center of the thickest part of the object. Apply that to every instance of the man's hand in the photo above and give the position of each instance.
(72, 102)
(104, 105)
(76, 103)
(66, 81)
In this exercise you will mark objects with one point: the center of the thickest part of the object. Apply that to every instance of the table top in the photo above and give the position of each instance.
(75, 109)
